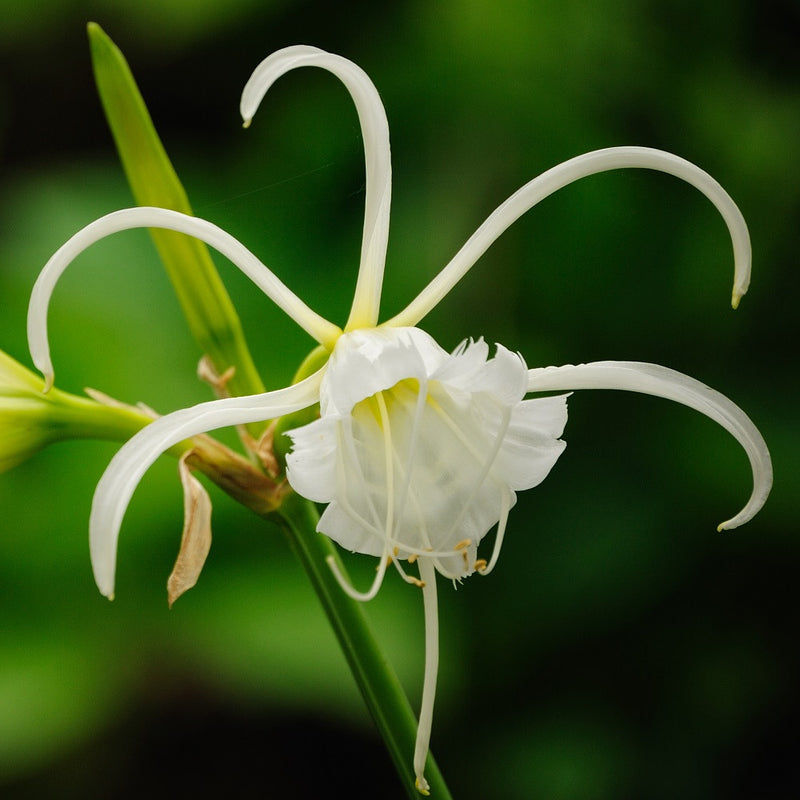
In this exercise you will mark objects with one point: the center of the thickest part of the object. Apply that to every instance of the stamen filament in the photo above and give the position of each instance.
(505, 507)
(350, 590)
(487, 465)
(403, 574)
(442, 570)
(389, 462)
(345, 440)
(419, 407)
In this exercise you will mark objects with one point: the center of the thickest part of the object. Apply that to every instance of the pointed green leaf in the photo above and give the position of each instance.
(206, 304)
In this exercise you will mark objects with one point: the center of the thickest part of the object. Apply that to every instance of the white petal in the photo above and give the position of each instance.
(531, 445)
(126, 469)
(504, 376)
(465, 365)
(558, 177)
(421, 474)
(456, 467)
(419, 452)
(375, 132)
(662, 382)
(367, 361)
(312, 463)
(147, 217)
(350, 532)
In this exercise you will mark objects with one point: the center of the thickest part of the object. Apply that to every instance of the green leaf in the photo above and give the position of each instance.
(206, 304)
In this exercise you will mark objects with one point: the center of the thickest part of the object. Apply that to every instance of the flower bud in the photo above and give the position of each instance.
(31, 419)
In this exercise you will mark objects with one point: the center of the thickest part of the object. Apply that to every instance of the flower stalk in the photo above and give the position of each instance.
(374, 675)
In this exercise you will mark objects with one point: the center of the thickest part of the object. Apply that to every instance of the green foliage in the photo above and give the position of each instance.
(208, 310)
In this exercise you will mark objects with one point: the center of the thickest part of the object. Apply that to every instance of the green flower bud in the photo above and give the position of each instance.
(30, 419)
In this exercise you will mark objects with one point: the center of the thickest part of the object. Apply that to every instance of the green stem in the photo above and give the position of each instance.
(371, 669)
(73, 417)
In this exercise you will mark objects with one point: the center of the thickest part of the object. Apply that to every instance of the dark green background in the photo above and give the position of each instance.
(622, 648)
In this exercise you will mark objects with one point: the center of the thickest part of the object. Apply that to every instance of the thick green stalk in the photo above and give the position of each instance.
(374, 675)
(206, 304)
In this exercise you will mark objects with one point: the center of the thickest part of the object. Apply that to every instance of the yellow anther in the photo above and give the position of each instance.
(416, 581)
(396, 551)
(412, 558)
(481, 564)
(462, 544)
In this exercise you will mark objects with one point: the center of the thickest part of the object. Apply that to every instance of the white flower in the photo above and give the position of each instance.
(417, 453)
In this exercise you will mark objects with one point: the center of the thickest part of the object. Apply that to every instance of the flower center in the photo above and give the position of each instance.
(423, 456)
(382, 405)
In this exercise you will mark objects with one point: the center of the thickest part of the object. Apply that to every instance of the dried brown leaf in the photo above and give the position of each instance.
(196, 538)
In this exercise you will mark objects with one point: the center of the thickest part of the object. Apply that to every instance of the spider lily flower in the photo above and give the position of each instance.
(418, 453)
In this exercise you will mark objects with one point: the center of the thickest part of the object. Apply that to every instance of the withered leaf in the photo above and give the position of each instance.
(196, 538)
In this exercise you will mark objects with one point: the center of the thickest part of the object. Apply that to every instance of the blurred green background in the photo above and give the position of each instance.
(622, 648)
